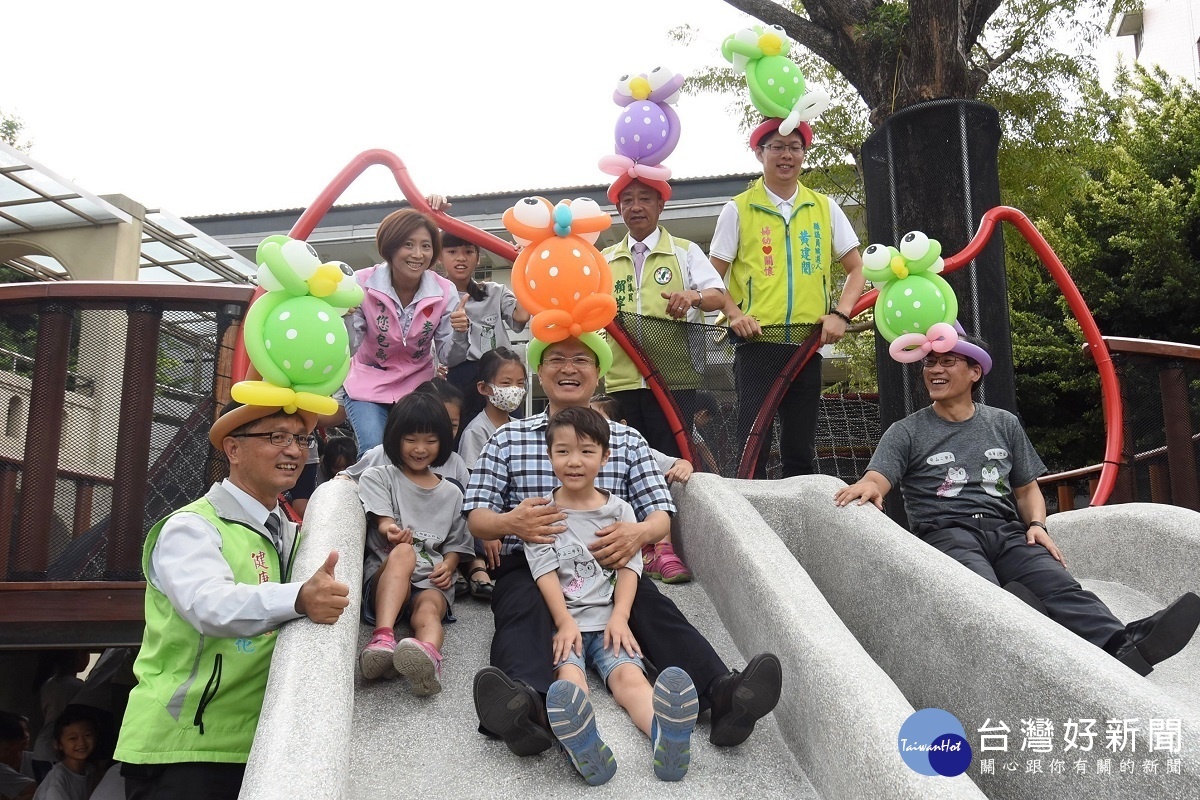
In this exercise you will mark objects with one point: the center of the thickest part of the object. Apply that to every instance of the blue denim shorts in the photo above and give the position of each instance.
(601, 660)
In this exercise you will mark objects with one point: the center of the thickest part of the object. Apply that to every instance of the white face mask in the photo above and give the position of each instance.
(506, 398)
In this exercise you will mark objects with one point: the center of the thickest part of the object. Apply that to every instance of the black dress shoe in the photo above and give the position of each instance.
(1161, 635)
(512, 711)
(741, 699)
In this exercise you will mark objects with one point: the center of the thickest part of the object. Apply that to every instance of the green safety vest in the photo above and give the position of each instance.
(666, 344)
(781, 273)
(198, 697)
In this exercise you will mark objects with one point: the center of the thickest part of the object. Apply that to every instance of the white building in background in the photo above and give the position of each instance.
(1165, 33)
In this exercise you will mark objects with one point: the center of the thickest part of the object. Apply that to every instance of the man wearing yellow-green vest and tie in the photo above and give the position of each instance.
(218, 586)
(662, 276)
(775, 245)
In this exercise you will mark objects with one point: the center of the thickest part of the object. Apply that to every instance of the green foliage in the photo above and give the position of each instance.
(1125, 221)
(11, 128)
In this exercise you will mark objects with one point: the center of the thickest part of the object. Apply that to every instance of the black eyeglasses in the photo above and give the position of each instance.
(946, 361)
(282, 439)
(558, 362)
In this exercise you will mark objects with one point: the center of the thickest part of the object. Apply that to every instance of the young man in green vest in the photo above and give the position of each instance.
(775, 245)
(660, 276)
(217, 590)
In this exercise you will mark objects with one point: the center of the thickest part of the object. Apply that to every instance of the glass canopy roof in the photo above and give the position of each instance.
(33, 199)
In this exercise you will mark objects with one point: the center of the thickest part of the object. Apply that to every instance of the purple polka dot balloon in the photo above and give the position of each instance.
(643, 130)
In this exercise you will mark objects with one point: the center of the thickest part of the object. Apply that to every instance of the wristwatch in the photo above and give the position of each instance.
(699, 299)
(1036, 524)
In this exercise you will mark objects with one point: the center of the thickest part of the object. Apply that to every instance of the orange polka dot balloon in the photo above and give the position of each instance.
(560, 277)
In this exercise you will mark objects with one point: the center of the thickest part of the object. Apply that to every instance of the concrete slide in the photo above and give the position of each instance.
(869, 622)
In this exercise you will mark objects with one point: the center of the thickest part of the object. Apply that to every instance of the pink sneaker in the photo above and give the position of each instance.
(421, 663)
(666, 566)
(375, 660)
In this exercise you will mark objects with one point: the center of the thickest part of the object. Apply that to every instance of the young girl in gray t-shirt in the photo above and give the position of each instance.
(416, 534)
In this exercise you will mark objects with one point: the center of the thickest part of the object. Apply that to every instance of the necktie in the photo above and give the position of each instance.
(639, 260)
(275, 528)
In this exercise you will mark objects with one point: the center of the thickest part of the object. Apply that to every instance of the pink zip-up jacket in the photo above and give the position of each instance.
(392, 344)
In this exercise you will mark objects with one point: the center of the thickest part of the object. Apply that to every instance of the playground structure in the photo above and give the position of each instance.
(139, 372)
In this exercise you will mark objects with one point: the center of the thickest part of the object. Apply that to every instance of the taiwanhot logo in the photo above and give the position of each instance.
(934, 742)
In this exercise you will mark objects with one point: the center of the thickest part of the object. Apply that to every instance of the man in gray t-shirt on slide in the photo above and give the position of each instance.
(968, 474)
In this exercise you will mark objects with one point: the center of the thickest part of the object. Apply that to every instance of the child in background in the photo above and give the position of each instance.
(73, 777)
(415, 535)
(590, 606)
(490, 307)
(658, 560)
(707, 412)
(502, 385)
(57, 683)
(14, 784)
(339, 454)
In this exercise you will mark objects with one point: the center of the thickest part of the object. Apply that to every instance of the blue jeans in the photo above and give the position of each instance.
(368, 420)
(601, 660)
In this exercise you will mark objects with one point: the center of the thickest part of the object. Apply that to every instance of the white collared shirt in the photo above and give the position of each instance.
(187, 566)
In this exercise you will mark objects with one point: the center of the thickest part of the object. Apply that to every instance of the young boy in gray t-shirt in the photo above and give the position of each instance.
(590, 606)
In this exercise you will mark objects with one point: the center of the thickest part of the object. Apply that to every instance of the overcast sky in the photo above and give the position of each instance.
(221, 107)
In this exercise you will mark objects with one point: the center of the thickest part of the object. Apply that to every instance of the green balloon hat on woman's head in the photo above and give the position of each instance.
(592, 341)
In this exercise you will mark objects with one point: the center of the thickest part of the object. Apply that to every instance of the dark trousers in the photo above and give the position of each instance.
(194, 780)
(756, 365)
(642, 412)
(995, 549)
(465, 376)
(521, 645)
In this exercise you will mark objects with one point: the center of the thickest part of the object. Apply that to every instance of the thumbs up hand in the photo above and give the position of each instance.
(458, 318)
(323, 597)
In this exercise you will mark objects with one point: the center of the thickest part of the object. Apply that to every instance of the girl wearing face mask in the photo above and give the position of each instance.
(502, 386)
(492, 310)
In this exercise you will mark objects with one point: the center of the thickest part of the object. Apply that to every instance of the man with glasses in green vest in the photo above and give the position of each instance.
(217, 590)
(775, 245)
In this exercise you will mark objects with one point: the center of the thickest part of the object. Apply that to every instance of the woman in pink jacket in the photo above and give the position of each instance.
(406, 312)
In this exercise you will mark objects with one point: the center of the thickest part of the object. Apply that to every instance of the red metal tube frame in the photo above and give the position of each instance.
(320, 207)
(307, 222)
(1110, 391)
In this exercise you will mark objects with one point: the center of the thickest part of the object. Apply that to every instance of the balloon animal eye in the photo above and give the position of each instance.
(532, 212)
(585, 208)
(777, 29)
(914, 245)
(345, 268)
(623, 86)
(876, 257)
(311, 251)
(659, 77)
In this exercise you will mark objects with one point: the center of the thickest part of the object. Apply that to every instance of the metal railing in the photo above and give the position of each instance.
(1160, 388)
(82, 479)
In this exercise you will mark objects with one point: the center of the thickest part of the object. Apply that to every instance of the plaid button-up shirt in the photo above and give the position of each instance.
(515, 465)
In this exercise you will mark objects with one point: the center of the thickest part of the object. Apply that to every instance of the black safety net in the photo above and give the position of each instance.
(703, 367)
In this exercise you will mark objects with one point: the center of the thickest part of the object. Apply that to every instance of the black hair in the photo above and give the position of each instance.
(977, 386)
(72, 714)
(492, 360)
(443, 390)
(475, 290)
(706, 401)
(337, 448)
(610, 405)
(10, 727)
(587, 423)
(419, 412)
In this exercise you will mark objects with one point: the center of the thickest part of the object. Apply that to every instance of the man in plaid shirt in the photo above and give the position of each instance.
(507, 499)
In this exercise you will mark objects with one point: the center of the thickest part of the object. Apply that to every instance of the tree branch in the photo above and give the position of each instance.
(806, 33)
